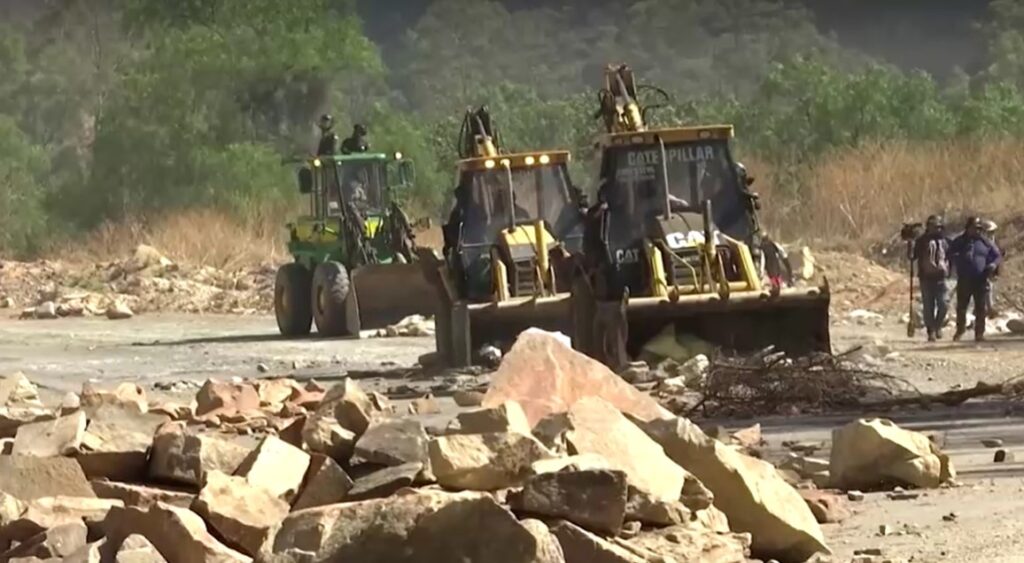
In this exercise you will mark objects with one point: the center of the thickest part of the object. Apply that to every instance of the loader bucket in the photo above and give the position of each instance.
(794, 321)
(388, 293)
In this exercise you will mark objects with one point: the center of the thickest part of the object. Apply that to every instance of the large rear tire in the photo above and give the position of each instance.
(331, 290)
(292, 305)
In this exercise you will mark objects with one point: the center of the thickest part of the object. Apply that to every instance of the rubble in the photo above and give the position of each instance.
(30, 477)
(325, 435)
(349, 405)
(505, 417)
(484, 462)
(384, 482)
(325, 483)
(276, 466)
(241, 512)
(178, 534)
(393, 442)
(17, 391)
(116, 444)
(141, 496)
(873, 453)
(62, 436)
(183, 457)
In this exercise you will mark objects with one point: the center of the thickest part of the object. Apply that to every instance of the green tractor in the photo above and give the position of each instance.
(353, 251)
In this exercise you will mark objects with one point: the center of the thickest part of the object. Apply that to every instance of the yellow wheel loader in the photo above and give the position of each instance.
(516, 219)
(674, 260)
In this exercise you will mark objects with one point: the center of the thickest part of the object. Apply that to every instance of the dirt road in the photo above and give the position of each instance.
(61, 355)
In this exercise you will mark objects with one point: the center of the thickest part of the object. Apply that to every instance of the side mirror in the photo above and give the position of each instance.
(305, 181)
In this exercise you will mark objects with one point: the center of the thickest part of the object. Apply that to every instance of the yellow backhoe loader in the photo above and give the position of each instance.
(516, 218)
(674, 257)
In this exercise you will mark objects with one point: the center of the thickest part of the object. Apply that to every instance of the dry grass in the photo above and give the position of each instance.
(863, 194)
(197, 237)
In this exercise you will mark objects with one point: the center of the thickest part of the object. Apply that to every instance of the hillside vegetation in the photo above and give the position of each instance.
(117, 117)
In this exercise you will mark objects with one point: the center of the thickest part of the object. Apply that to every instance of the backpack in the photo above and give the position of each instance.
(933, 262)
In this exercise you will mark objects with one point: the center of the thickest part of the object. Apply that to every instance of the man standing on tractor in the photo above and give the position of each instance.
(356, 142)
(328, 138)
(976, 260)
(931, 256)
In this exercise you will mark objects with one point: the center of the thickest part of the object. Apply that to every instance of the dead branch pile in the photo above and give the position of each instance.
(772, 383)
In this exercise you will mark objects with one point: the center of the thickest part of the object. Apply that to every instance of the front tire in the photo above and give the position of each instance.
(292, 300)
(331, 289)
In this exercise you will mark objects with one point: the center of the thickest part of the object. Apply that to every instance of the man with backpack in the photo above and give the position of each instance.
(976, 259)
(931, 256)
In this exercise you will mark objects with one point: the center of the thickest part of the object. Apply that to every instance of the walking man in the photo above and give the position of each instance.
(931, 255)
(976, 260)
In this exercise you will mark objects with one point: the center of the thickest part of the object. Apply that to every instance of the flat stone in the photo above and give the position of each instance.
(277, 466)
(128, 395)
(116, 444)
(55, 543)
(12, 418)
(688, 543)
(384, 482)
(184, 458)
(410, 527)
(594, 499)
(546, 377)
(52, 438)
(30, 477)
(326, 483)
(581, 546)
(142, 496)
(484, 462)
(571, 463)
(178, 534)
(241, 513)
(506, 417)
(393, 442)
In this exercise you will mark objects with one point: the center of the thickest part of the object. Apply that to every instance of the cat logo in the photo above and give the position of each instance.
(627, 256)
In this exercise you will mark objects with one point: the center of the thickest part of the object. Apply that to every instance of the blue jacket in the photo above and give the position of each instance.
(974, 257)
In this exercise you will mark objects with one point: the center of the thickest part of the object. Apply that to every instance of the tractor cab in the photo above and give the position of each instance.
(656, 185)
(514, 210)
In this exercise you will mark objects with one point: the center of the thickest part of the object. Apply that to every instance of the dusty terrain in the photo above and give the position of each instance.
(163, 352)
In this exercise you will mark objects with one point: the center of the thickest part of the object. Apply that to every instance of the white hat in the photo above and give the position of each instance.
(989, 226)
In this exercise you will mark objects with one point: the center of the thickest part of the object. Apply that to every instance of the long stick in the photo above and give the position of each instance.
(911, 325)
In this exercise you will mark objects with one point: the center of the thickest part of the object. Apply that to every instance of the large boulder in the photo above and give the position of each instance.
(116, 444)
(393, 442)
(349, 405)
(241, 513)
(184, 458)
(749, 491)
(52, 438)
(593, 426)
(506, 417)
(408, 528)
(30, 477)
(594, 499)
(873, 453)
(219, 397)
(277, 466)
(325, 435)
(180, 535)
(484, 462)
(545, 376)
(326, 483)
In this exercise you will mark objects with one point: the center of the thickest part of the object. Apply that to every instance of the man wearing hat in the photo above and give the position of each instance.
(931, 256)
(976, 260)
(988, 230)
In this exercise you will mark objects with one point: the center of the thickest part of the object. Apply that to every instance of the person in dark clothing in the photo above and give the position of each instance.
(356, 142)
(931, 254)
(328, 138)
(976, 260)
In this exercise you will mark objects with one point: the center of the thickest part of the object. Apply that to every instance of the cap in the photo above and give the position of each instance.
(989, 226)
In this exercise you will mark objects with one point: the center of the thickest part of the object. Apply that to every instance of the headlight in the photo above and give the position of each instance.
(544, 159)
(489, 164)
(506, 163)
(530, 160)
(398, 156)
(316, 163)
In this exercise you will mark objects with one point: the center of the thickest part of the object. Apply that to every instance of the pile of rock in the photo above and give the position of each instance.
(146, 281)
(564, 462)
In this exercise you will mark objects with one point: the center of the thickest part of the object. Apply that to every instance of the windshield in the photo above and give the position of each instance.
(362, 183)
(697, 170)
(540, 192)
